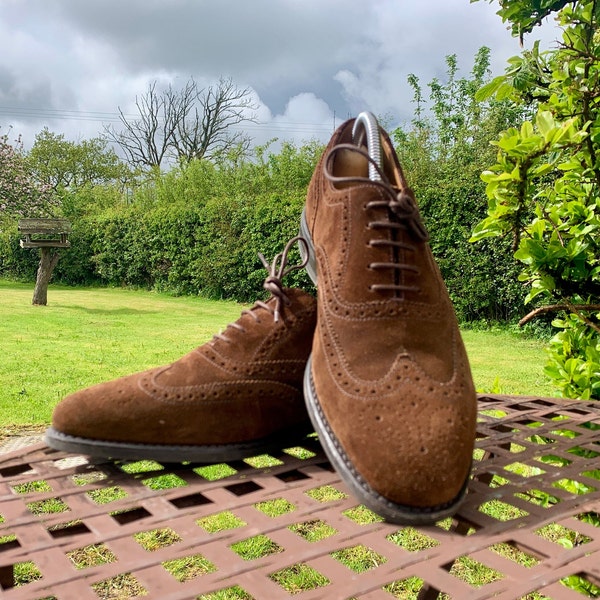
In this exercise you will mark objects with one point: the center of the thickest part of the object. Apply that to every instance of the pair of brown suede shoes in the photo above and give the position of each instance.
(377, 364)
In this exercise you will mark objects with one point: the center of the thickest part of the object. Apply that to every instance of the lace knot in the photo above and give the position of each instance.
(404, 206)
(277, 270)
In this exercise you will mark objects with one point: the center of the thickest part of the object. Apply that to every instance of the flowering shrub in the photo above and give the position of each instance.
(20, 194)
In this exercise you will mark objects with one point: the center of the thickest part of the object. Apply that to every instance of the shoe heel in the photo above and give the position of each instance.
(311, 264)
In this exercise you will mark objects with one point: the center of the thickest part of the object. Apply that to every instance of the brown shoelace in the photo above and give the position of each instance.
(402, 214)
(277, 270)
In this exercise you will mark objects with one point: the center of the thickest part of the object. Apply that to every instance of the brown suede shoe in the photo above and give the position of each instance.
(388, 385)
(237, 395)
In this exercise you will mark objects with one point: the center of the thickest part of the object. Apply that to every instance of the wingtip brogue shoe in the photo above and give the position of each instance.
(239, 394)
(388, 384)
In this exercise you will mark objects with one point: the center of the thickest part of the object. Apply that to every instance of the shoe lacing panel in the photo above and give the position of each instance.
(277, 270)
(402, 215)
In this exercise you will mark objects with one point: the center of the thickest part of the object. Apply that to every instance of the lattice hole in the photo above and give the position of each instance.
(553, 459)
(91, 556)
(362, 515)
(583, 452)
(530, 423)
(580, 582)
(291, 476)
(574, 487)
(359, 558)
(196, 499)
(313, 531)
(538, 497)
(118, 587)
(275, 507)
(70, 528)
(264, 461)
(88, 478)
(591, 517)
(510, 551)
(155, 539)
(256, 547)
(595, 474)
(502, 511)
(326, 493)
(231, 593)
(220, 522)
(563, 536)
(566, 433)
(404, 588)
(299, 578)
(30, 487)
(15, 470)
(25, 572)
(189, 567)
(412, 540)
(495, 413)
(8, 541)
(473, 572)
(243, 488)
(300, 452)
(165, 482)
(48, 506)
(215, 472)
(523, 469)
(106, 495)
(129, 515)
(141, 466)
(541, 440)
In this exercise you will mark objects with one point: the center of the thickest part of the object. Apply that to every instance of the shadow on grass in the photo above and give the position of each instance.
(107, 311)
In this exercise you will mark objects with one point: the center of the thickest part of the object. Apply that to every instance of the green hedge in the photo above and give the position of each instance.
(210, 250)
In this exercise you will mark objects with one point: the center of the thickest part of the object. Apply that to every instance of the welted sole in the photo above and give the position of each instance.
(174, 453)
(390, 511)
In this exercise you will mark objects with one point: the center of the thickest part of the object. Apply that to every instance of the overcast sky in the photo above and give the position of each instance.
(69, 65)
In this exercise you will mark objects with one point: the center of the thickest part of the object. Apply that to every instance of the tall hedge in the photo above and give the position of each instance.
(198, 229)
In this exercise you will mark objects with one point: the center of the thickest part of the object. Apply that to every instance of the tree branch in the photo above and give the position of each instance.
(574, 308)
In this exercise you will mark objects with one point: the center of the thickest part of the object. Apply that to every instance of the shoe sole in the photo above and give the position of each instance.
(173, 453)
(390, 511)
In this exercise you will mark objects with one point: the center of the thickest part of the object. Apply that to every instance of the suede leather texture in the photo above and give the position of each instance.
(241, 388)
(389, 368)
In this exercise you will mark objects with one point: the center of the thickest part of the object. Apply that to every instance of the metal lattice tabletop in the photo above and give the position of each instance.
(285, 525)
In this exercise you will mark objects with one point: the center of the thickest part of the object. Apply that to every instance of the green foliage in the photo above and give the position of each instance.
(544, 188)
(195, 230)
(63, 165)
(443, 155)
(524, 15)
(574, 358)
(20, 194)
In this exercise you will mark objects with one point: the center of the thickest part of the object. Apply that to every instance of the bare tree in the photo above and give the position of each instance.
(185, 124)
(211, 128)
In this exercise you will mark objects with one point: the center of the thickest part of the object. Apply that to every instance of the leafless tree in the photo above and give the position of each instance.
(211, 127)
(185, 124)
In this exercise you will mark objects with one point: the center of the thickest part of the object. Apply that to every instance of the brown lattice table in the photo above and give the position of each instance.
(284, 525)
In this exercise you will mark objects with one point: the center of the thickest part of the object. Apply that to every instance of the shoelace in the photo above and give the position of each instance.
(403, 214)
(277, 270)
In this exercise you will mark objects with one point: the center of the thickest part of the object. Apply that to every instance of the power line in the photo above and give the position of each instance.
(113, 117)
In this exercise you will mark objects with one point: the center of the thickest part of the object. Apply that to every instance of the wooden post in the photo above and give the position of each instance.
(48, 260)
(55, 232)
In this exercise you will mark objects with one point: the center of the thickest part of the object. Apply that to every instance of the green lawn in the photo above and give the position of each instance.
(88, 335)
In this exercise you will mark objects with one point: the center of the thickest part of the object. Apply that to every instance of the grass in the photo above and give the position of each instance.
(88, 335)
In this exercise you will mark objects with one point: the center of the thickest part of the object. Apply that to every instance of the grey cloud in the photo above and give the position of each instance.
(97, 55)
